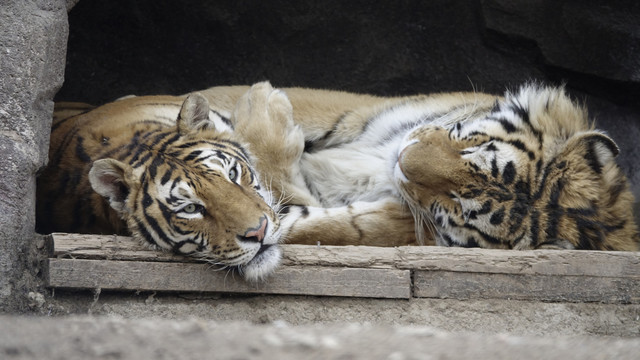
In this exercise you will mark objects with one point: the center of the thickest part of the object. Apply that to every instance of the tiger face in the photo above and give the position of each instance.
(192, 190)
(531, 174)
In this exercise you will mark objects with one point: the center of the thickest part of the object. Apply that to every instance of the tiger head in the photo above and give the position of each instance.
(191, 189)
(531, 174)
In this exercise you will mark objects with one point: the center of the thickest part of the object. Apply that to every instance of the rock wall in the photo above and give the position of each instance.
(387, 47)
(33, 40)
(600, 38)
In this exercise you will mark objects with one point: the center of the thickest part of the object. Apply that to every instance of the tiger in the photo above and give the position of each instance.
(522, 170)
(167, 171)
(526, 170)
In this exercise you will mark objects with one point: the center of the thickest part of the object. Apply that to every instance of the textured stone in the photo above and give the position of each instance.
(377, 47)
(71, 4)
(592, 37)
(32, 52)
(117, 338)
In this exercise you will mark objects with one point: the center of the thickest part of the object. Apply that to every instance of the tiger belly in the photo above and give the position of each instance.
(350, 173)
(362, 169)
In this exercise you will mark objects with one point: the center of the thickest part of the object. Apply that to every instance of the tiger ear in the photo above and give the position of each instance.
(604, 148)
(599, 149)
(194, 114)
(113, 180)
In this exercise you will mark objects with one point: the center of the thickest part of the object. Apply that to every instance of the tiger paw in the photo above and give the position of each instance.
(264, 119)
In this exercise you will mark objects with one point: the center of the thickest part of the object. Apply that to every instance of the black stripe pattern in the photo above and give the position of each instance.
(528, 189)
(173, 170)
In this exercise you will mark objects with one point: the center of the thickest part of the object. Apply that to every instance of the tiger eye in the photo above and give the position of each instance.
(233, 174)
(190, 209)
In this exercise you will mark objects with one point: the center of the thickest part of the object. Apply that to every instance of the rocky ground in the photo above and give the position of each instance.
(521, 318)
(121, 338)
(77, 325)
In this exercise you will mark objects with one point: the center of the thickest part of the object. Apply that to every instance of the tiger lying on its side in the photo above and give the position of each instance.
(461, 169)
(171, 175)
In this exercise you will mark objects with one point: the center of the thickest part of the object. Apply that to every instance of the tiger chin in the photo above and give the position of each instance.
(165, 170)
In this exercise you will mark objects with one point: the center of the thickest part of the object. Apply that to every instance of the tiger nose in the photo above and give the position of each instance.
(256, 234)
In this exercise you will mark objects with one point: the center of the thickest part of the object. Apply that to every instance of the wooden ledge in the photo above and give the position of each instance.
(119, 263)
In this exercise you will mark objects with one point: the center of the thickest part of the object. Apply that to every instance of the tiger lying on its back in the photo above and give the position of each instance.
(525, 171)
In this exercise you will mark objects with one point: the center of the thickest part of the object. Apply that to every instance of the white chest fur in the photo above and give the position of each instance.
(362, 170)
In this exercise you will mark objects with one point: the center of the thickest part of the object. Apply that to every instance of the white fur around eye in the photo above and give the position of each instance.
(499, 155)
(190, 211)
(479, 156)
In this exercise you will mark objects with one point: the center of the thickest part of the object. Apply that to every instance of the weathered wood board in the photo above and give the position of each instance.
(115, 262)
(170, 276)
(464, 286)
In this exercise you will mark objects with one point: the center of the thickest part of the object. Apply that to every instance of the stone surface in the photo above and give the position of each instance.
(146, 47)
(141, 47)
(117, 338)
(522, 318)
(33, 39)
(592, 37)
(71, 4)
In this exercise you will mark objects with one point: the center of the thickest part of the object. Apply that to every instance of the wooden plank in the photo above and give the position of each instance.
(111, 247)
(166, 276)
(464, 286)
(535, 262)
(546, 275)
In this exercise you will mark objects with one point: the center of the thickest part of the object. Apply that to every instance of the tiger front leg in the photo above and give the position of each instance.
(264, 120)
(385, 222)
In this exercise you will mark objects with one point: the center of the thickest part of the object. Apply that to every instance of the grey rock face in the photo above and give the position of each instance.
(33, 38)
(600, 38)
